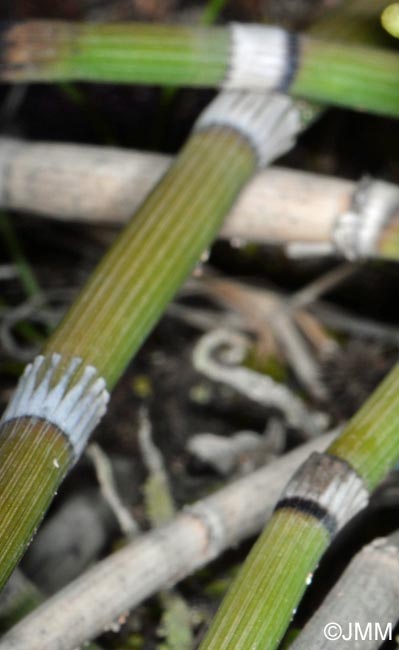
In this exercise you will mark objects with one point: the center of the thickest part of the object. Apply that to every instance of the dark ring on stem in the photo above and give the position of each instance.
(292, 61)
(311, 508)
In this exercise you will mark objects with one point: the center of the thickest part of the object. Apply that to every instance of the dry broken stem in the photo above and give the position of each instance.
(157, 559)
(366, 595)
(310, 213)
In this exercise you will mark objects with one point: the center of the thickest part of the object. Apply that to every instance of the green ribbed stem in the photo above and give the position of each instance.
(122, 53)
(149, 54)
(263, 598)
(338, 71)
(339, 51)
(333, 73)
(269, 585)
(29, 478)
(155, 253)
(116, 311)
(370, 442)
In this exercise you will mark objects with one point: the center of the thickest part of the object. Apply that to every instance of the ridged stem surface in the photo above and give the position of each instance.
(34, 459)
(260, 604)
(269, 585)
(149, 54)
(115, 312)
(157, 250)
(362, 77)
(334, 72)
(370, 442)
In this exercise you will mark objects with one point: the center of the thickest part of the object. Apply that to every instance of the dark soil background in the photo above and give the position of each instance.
(341, 143)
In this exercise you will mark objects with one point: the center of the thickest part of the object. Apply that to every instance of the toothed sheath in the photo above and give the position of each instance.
(236, 56)
(324, 494)
(63, 394)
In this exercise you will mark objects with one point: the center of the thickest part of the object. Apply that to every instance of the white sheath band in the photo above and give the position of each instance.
(357, 231)
(268, 121)
(75, 407)
(259, 59)
(332, 484)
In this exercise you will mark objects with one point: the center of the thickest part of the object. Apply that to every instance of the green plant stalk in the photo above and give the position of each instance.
(260, 604)
(245, 604)
(28, 480)
(131, 53)
(335, 73)
(116, 311)
(370, 442)
(157, 250)
(338, 71)
(63, 394)
(266, 592)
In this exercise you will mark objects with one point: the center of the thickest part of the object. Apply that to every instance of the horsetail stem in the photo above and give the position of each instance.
(63, 394)
(234, 57)
(330, 488)
(370, 442)
(327, 491)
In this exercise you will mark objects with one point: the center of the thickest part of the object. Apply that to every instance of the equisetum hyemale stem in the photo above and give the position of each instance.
(233, 57)
(63, 394)
(157, 559)
(327, 491)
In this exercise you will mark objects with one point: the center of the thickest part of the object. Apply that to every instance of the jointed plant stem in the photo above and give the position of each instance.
(278, 569)
(63, 394)
(157, 559)
(236, 56)
(125, 282)
(322, 496)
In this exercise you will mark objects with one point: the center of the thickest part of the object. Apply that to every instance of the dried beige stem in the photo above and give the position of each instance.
(109, 491)
(106, 184)
(363, 603)
(76, 182)
(157, 559)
